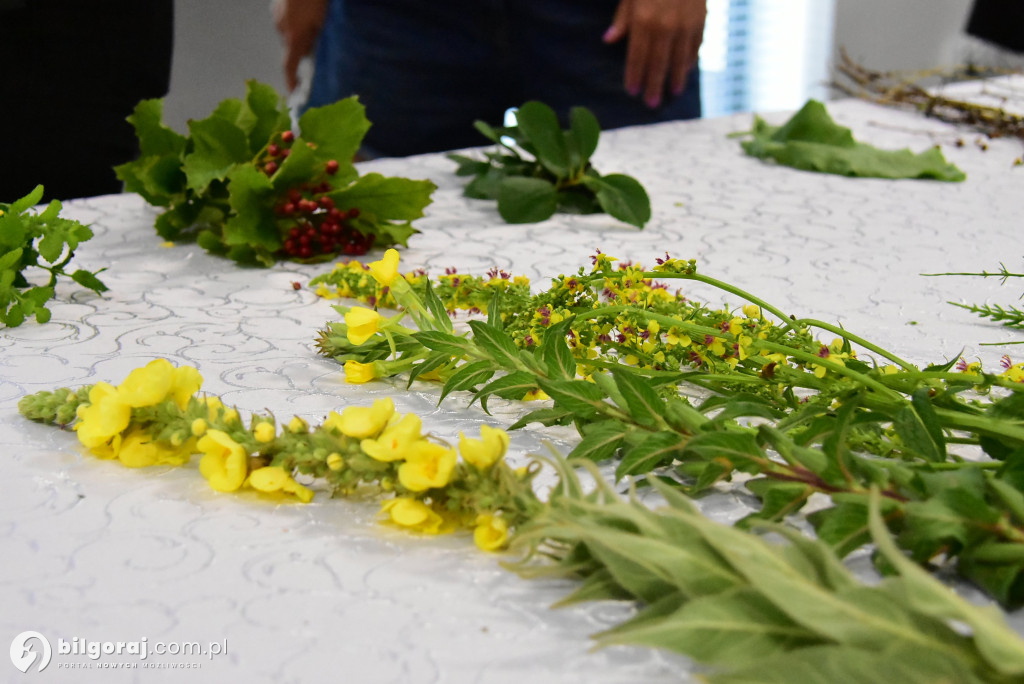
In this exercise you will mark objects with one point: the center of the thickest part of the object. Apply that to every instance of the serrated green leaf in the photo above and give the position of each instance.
(623, 197)
(497, 343)
(526, 200)
(155, 139)
(265, 114)
(440, 315)
(390, 199)
(217, 147)
(337, 130)
(253, 223)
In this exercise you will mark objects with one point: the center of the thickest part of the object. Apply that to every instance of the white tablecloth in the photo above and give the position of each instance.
(321, 592)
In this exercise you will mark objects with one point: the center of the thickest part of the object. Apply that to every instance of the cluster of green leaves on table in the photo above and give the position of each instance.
(227, 183)
(816, 422)
(41, 240)
(538, 169)
(812, 141)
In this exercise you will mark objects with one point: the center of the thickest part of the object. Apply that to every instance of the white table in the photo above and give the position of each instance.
(306, 593)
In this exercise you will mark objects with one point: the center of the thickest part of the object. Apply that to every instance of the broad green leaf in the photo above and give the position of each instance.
(265, 114)
(155, 139)
(253, 221)
(582, 137)
(526, 200)
(540, 125)
(27, 202)
(159, 179)
(812, 141)
(338, 130)
(217, 147)
(391, 199)
(622, 197)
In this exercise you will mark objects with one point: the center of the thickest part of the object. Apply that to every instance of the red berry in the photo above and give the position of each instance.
(291, 245)
(288, 208)
(331, 167)
(353, 213)
(288, 136)
(285, 152)
(273, 149)
(304, 241)
(326, 203)
(305, 252)
(335, 214)
(294, 195)
(296, 286)
(270, 167)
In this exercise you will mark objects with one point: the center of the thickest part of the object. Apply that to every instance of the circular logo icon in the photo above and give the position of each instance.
(23, 651)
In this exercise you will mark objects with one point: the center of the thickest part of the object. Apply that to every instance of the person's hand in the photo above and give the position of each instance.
(664, 37)
(299, 23)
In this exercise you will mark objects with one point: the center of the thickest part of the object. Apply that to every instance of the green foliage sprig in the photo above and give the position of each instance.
(245, 186)
(41, 240)
(539, 169)
(612, 349)
(1009, 316)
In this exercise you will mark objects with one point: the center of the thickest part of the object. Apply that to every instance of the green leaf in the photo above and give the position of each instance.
(739, 449)
(812, 141)
(582, 137)
(264, 115)
(778, 498)
(253, 222)
(217, 147)
(337, 130)
(155, 139)
(545, 416)
(919, 428)
(440, 315)
(555, 353)
(512, 386)
(642, 402)
(526, 200)
(88, 280)
(655, 450)
(844, 526)
(539, 124)
(467, 377)
(600, 440)
(622, 197)
(391, 199)
(497, 344)
(581, 397)
(448, 343)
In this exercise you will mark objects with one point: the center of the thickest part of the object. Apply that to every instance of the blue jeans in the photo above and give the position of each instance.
(427, 70)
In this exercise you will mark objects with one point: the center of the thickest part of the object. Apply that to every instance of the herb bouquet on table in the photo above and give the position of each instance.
(245, 186)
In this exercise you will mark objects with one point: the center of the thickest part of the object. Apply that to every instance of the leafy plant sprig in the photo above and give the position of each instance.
(803, 417)
(41, 240)
(1010, 316)
(244, 185)
(538, 169)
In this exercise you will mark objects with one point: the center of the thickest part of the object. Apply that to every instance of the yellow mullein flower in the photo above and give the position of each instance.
(427, 465)
(138, 450)
(484, 452)
(264, 432)
(335, 461)
(735, 326)
(148, 385)
(490, 532)
(1014, 373)
(106, 415)
(752, 311)
(395, 440)
(536, 395)
(362, 422)
(413, 514)
(298, 426)
(357, 373)
(185, 382)
(674, 339)
(224, 463)
(362, 324)
(717, 346)
(276, 480)
(386, 270)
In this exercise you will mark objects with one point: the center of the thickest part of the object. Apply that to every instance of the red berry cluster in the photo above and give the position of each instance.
(319, 227)
(278, 151)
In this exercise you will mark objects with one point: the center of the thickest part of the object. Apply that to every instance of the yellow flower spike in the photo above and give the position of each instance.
(185, 382)
(335, 461)
(298, 426)
(484, 452)
(386, 270)
(106, 416)
(427, 466)
(414, 515)
(362, 324)
(357, 373)
(264, 432)
(148, 385)
(490, 532)
(362, 422)
(224, 463)
(276, 480)
(395, 441)
(198, 427)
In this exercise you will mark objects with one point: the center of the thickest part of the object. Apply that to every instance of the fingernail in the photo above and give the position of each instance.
(653, 101)
(609, 35)
(678, 90)
(633, 90)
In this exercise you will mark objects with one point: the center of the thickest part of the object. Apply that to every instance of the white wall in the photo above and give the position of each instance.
(912, 34)
(219, 44)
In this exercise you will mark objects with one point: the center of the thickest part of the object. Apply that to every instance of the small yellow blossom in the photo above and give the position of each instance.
(427, 466)
(362, 324)
(198, 427)
(362, 422)
(752, 311)
(185, 382)
(484, 452)
(335, 461)
(357, 373)
(298, 426)
(490, 532)
(106, 415)
(396, 439)
(138, 450)
(413, 514)
(276, 480)
(385, 270)
(148, 385)
(224, 463)
(264, 432)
